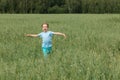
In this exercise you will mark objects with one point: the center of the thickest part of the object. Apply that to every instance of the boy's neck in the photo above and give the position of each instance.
(45, 31)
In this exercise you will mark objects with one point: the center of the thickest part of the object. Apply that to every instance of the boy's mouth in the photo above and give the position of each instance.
(45, 29)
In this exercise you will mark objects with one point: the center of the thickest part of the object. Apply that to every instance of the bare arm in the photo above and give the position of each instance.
(31, 35)
(61, 34)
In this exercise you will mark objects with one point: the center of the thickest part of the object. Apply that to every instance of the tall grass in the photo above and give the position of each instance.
(90, 52)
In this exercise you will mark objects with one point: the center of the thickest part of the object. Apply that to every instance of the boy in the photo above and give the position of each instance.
(46, 38)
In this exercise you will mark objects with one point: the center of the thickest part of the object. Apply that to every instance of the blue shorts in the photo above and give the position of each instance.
(46, 51)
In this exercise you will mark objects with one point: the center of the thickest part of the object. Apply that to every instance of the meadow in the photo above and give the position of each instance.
(91, 50)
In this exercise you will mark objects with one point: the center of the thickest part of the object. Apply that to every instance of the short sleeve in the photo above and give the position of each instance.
(39, 35)
(51, 33)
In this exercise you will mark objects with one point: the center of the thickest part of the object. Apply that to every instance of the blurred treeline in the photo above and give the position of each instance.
(59, 6)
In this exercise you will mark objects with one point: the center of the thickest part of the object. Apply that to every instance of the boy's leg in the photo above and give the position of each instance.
(46, 51)
(49, 50)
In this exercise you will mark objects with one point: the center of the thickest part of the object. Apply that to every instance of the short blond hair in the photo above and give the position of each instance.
(46, 24)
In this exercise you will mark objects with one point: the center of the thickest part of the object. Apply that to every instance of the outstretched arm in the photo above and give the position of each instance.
(31, 35)
(61, 34)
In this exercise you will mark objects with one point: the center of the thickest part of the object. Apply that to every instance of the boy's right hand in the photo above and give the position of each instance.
(27, 34)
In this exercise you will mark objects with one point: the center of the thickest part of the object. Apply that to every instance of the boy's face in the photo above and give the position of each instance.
(45, 27)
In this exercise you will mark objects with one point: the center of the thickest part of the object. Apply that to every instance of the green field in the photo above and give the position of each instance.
(90, 52)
